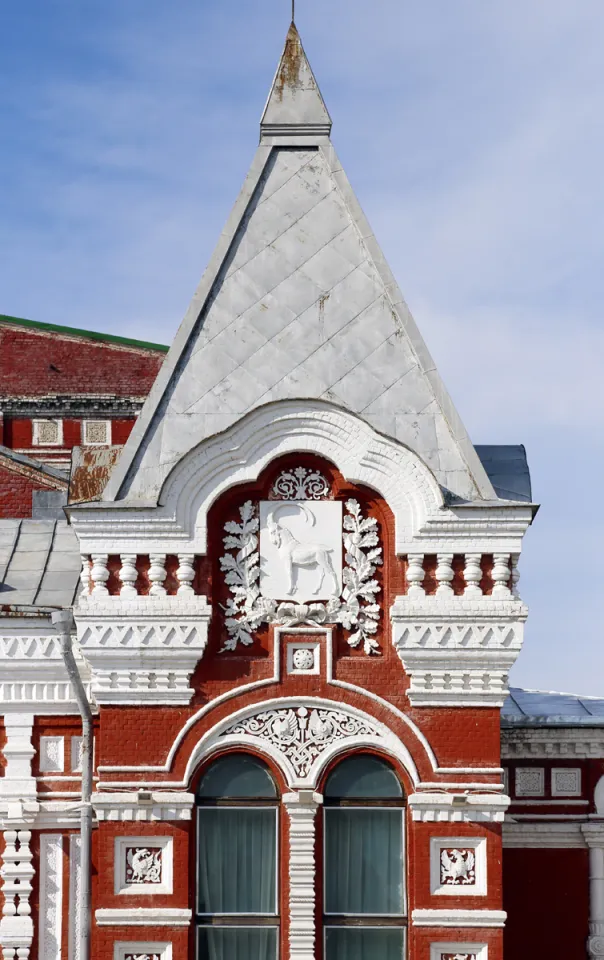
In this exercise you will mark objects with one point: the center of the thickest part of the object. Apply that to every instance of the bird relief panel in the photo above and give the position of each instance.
(302, 557)
(300, 549)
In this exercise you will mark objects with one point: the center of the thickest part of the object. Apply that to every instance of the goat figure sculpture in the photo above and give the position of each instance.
(294, 554)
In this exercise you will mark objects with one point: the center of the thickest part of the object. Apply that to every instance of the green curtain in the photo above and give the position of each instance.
(363, 861)
(237, 860)
(237, 943)
(354, 943)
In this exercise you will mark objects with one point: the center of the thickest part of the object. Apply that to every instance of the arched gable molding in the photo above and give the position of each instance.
(360, 453)
(301, 762)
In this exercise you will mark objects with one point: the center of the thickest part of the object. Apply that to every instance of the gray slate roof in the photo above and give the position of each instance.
(39, 563)
(533, 708)
(507, 469)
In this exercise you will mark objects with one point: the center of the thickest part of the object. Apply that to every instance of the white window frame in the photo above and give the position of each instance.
(479, 846)
(95, 443)
(141, 889)
(403, 927)
(36, 424)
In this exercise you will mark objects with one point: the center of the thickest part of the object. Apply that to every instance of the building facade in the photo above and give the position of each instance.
(295, 597)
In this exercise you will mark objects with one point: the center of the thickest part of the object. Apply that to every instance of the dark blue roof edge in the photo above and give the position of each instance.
(507, 469)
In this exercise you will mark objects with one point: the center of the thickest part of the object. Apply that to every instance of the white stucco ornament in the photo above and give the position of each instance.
(299, 569)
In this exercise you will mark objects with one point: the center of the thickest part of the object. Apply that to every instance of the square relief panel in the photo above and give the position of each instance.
(143, 865)
(566, 781)
(458, 866)
(300, 549)
(142, 951)
(304, 657)
(459, 951)
(530, 781)
(52, 754)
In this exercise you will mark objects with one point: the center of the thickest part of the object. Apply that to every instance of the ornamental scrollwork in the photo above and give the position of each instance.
(302, 733)
(356, 609)
(300, 484)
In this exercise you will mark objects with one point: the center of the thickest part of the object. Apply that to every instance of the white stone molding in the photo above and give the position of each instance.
(142, 917)
(548, 835)
(128, 576)
(18, 783)
(99, 574)
(143, 651)
(52, 755)
(50, 922)
(300, 483)
(457, 652)
(472, 575)
(594, 837)
(75, 888)
(458, 807)
(444, 576)
(459, 918)
(157, 574)
(143, 865)
(301, 735)
(139, 950)
(185, 574)
(302, 811)
(458, 866)
(566, 781)
(543, 743)
(459, 951)
(529, 781)
(355, 609)
(16, 925)
(148, 806)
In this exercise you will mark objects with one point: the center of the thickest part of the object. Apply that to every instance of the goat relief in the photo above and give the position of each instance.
(300, 550)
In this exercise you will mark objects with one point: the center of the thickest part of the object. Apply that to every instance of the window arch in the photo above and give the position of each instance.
(237, 908)
(364, 915)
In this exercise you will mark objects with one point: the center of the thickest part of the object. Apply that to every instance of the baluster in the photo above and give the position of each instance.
(185, 574)
(85, 574)
(26, 872)
(473, 575)
(501, 575)
(99, 575)
(415, 575)
(128, 575)
(515, 574)
(444, 575)
(157, 575)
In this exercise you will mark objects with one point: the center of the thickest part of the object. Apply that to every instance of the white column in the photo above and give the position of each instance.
(17, 782)
(594, 835)
(302, 809)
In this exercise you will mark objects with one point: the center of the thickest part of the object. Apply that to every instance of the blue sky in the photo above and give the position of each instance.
(472, 133)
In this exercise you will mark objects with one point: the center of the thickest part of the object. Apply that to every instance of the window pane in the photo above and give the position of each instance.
(363, 777)
(363, 861)
(237, 860)
(350, 943)
(237, 943)
(235, 776)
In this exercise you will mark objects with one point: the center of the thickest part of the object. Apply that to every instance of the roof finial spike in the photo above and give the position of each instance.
(293, 11)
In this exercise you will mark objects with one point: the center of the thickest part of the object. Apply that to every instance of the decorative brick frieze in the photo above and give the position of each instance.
(544, 744)
(33, 678)
(457, 652)
(458, 807)
(145, 806)
(145, 650)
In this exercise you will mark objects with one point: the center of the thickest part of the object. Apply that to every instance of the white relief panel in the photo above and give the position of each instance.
(530, 781)
(143, 865)
(459, 951)
(458, 866)
(76, 754)
(51, 896)
(52, 754)
(566, 781)
(300, 550)
(142, 951)
(300, 484)
(75, 888)
(304, 657)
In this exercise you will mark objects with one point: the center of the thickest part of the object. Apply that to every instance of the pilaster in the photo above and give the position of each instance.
(302, 810)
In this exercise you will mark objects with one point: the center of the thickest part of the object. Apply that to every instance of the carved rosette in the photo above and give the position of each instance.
(302, 734)
(356, 609)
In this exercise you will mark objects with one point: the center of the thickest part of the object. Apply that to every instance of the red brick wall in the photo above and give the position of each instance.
(16, 488)
(39, 363)
(546, 895)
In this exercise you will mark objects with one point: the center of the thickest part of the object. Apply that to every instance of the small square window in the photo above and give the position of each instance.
(96, 432)
(47, 433)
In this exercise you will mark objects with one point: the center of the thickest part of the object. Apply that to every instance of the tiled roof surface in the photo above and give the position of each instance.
(530, 708)
(39, 563)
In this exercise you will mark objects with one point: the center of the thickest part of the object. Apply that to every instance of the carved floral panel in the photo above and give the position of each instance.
(300, 484)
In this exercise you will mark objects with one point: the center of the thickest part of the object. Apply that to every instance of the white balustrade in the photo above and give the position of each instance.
(186, 574)
(501, 575)
(99, 575)
(157, 575)
(128, 575)
(473, 575)
(415, 576)
(444, 575)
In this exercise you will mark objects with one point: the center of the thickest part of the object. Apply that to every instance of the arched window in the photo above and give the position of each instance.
(237, 889)
(364, 862)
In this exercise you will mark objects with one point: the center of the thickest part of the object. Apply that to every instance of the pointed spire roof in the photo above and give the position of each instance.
(295, 105)
(297, 303)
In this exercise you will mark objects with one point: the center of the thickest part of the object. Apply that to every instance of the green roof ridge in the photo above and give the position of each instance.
(89, 334)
